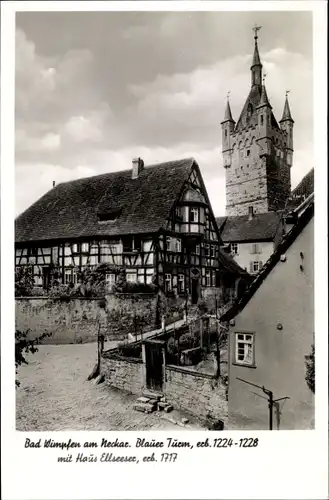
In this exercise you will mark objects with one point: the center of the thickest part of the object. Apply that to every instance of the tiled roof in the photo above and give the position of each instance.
(302, 191)
(238, 228)
(230, 265)
(286, 242)
(70, 210)
(306, 185)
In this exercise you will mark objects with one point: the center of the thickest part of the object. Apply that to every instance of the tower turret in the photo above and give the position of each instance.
(287, 125)
(228, 125)
(264, 110)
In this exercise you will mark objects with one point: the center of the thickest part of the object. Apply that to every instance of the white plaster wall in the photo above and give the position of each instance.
(245, 255)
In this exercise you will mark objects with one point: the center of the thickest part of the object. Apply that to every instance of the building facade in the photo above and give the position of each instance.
(155, 223)
(257, 151)
(271, 332)
(251, 239)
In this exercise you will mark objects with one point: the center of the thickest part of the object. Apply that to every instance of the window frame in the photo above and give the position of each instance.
(181, 283)
(244, 341)
(178, 245)
(236, 247)
(259, 266)
(168, 244)
(196, 217)
(128, 273)
(168, 280)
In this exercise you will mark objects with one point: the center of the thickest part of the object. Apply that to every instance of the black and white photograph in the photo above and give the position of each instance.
(165, 221)
(164, 267)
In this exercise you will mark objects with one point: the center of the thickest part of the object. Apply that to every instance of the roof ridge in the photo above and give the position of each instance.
(146, 167)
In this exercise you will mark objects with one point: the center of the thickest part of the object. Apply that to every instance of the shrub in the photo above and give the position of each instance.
(64, 292)
(188, 341)
(129, 287)
(94, 278)
(24, 281)
(202, 306)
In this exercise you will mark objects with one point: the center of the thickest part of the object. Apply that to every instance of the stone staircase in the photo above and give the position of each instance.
(152, 401)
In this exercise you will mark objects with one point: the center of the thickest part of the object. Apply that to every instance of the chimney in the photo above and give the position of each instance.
(251, 213)
(138, 166)
(54, 184)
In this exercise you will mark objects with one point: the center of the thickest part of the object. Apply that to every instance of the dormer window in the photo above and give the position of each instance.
(109, 215)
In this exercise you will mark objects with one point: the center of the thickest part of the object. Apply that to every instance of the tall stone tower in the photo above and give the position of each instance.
(257, 151)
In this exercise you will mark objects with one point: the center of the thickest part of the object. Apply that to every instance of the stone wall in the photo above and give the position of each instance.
(200, 394)
(75, 320)
(123, 373)
(69, 322)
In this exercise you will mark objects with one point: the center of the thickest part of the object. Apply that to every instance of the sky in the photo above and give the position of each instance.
(96, 89)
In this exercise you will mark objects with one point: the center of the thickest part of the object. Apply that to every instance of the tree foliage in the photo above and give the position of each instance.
(23, 346)
(310, 370)
(24, 281)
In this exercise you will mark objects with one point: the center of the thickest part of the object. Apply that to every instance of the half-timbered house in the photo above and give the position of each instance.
(156, 222)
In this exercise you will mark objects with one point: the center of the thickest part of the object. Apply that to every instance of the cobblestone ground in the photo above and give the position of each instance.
(55, 395)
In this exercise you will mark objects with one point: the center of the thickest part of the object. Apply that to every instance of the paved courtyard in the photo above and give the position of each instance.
(55, 395)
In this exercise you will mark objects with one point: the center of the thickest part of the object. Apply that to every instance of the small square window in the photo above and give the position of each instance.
(244, 349)
(234, 248)
(248, 152)
(255, 267)
(132, 277)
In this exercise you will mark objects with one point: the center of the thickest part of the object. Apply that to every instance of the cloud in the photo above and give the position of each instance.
(45, 86)
(152, 85)
(89, 128)
(47, 142)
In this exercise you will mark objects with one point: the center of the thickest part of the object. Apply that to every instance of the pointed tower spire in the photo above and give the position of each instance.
(263, 98)
(286, 115)
(256, 65)
(228, 114)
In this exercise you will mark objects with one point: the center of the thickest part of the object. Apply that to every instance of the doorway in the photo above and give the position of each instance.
(195, 290)
(45, 277)
(154, 359)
